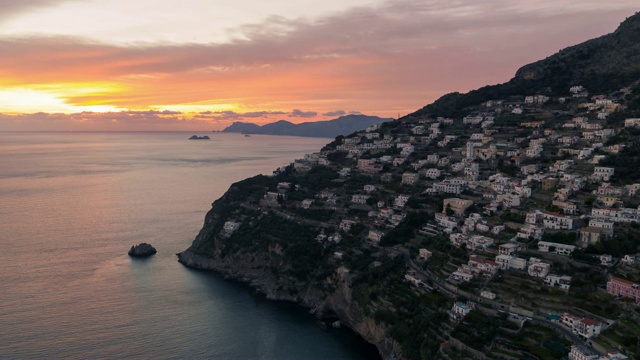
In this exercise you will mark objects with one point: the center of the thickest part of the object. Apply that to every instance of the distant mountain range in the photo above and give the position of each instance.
(343, 125)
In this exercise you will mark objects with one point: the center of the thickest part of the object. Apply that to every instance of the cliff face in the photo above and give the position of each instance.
(254, 269)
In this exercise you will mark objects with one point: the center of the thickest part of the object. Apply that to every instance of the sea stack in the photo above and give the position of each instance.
(196, 137)
(142, 250)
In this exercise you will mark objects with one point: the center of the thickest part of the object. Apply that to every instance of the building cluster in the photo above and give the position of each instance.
(501, 188)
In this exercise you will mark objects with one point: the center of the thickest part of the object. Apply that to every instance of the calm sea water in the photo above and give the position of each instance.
(71, 205)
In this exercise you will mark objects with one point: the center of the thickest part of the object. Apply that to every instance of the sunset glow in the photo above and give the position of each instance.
(258, 62)
(20, 100)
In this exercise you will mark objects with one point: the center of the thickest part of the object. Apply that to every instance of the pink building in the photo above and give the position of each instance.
(624, 288)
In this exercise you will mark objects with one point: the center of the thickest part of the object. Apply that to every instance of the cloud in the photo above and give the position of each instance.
(335, 113)
(390, 58)
(405, 26)
(11, 8)
(302, 114)
(107, 121)
(162, 120)
(232, 115)
(256, 114)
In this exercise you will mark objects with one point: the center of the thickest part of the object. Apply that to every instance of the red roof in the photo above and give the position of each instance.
(572, 315)
(624, 281)
(483, 260)
(553, 214)
(589, 321)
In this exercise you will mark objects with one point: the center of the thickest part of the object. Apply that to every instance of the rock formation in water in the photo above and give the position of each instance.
(142, 250)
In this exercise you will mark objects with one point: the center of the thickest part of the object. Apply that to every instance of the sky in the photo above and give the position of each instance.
(121, 65)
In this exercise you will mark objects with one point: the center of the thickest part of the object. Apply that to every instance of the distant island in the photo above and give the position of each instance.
(343, 125)
(196, 137)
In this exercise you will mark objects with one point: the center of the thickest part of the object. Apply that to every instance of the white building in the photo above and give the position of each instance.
(461, 275)
(538, 269)
(562, 282)
(586, 328)
(581, 352)
(507, 262)
(375, 236)
(359, 198)
(345, 225)
(369, 188)
(479, 242)
(508, 249)
(424, 254)
(410, 178)
(482, 266)
(401, 200)
(602, 173)
(460, 310)
(555, 221)
(432, 173)
(616, 215)
(487, 294)
(230, 227)
(560, 249)
(448, 187)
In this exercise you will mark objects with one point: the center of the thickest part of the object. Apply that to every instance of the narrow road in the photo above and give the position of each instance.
(493, 304)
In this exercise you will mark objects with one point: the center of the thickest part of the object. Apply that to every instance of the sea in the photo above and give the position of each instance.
(71, 206)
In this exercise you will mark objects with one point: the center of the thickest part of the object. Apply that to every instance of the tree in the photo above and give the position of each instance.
(449, 211)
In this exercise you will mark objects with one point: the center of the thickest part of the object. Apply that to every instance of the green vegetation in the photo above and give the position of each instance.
(627, 162)
(560, 237)
(477, 330)
(412, 318)
(306, 259)
(404, 231)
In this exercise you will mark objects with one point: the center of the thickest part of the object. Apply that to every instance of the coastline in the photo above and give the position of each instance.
(337, 305)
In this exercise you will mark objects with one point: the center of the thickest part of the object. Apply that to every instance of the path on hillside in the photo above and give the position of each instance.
(453, 293)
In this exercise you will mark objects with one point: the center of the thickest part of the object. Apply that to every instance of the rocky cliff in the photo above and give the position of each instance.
(331, 298)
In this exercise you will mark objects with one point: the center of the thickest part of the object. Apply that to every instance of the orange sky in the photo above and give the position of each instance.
(68, 65)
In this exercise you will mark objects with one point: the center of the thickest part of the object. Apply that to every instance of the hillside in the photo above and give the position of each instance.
(502, 223)
(343, 125)
(603, 65)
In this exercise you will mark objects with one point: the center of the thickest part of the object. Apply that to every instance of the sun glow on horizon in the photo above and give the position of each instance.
(55, 98)
(197, 108)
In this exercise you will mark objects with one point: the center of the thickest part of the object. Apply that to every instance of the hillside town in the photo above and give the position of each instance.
(518, 210)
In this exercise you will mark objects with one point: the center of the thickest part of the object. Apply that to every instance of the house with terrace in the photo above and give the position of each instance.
(560, 249)
(537, 268)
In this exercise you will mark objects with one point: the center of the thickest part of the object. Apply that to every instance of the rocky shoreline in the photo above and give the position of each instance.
(337, 305)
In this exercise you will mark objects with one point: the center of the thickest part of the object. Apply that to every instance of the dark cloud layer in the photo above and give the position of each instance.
(10, 8)
(303, 114)
(335, 113)
(138, 120)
